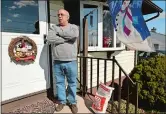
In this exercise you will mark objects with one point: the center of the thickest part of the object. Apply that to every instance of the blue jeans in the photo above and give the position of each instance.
(66, 69)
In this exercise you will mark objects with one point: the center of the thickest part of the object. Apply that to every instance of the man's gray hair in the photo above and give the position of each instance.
(67, 13)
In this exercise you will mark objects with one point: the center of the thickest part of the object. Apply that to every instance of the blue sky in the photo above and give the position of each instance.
(159, 22)
(19, 16)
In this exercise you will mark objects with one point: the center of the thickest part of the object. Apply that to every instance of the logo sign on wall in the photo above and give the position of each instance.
(22, 50)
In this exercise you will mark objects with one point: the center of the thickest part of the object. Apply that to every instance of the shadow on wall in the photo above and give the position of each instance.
(44, 64)
(73, 6)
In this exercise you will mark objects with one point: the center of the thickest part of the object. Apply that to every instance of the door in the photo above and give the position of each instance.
(24, 18)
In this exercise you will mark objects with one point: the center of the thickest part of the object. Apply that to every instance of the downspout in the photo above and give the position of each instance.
(50, 91)
(48, 11)
(158, 13)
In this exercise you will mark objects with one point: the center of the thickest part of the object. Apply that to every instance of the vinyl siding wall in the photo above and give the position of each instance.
(125, 59)
(55, 5)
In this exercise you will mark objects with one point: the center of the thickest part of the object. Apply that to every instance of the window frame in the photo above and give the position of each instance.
(100, 28)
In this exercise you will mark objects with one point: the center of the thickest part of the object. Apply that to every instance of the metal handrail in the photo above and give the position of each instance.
(115, 62)
(95, 58)
(121, 70)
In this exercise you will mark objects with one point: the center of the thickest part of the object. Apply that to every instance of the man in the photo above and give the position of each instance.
(63, 38)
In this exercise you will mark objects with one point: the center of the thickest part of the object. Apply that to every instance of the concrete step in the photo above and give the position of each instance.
(81, 104)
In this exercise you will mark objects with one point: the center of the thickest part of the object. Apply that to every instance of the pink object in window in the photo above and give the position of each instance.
(106, 41)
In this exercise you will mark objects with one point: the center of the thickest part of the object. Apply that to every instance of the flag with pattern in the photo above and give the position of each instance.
(130, 26)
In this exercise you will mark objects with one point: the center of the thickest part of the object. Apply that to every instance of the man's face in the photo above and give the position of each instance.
(63, 17)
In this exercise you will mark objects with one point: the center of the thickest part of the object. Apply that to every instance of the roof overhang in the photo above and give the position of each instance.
(148, 7)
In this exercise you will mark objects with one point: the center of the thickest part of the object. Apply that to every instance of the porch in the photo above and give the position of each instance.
(88, 82)
(44, 101)
(41, 104)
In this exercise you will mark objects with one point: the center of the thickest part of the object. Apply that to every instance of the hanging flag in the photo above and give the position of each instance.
(129, 24)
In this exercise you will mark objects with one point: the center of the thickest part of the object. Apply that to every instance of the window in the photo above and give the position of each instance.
(108, 30)
(92, 24)
(156, 46)
(20, 16)
(101, 34)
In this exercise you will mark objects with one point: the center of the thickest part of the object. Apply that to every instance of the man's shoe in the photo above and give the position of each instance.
(59, 107)
(74, 108)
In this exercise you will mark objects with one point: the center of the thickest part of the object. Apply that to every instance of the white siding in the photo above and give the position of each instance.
(159, 39)
(55, 5)
(125, 59)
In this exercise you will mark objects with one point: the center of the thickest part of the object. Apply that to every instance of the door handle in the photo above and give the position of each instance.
(45, 38)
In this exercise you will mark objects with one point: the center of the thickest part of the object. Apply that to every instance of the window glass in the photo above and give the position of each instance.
(92, 24)
(20, 16)
(108, 33)
(156, 46)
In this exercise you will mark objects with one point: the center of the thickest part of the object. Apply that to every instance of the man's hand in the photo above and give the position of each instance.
(53, 38)
(71, 33)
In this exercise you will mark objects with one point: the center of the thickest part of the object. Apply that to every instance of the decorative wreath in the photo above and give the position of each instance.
(22, 49)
